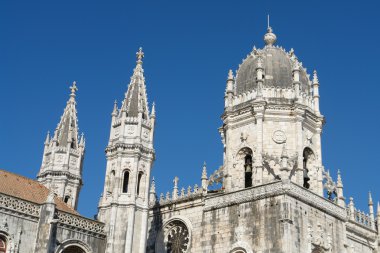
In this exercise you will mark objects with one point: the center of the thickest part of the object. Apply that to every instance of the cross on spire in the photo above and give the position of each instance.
(140, 55)
(73, 89)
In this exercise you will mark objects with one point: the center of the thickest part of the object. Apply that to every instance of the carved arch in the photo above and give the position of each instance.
(8, 241)
(240, 247)
(73, 243)
(309, 160)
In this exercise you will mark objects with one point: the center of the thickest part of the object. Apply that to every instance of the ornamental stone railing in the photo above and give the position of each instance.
(19, 205)
(75, 221)
(361, 218)
(275, 189)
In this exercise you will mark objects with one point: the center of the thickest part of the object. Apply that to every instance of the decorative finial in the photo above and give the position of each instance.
(284, 153)
(270, 38)
(315, 77)
(140, 55)
(73, 89)
(115, 109)
(378, 208)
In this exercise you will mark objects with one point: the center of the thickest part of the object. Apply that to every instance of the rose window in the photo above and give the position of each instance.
(176, 237)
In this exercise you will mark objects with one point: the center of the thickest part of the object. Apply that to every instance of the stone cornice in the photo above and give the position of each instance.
(276, 189)
(123, 146)
(77, 222)
(59, 173)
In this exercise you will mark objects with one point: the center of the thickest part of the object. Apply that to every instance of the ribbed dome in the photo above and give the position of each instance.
(278, 66)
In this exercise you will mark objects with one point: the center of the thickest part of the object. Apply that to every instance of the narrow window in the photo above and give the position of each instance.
(125, 181)
(248, 170)
(139, 183)
(67, 198)
(308, 159)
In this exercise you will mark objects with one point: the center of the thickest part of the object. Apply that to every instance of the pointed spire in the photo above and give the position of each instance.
(47, 140)
(230, 75)
(115, 109)
(67, 129)
(378, 209)
(370, 202)
(315, 77)
(82, 140)
(136, 100)
(204, 179)
(339, 182)
(153, 113)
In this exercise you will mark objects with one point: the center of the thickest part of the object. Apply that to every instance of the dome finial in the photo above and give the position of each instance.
(270, 38)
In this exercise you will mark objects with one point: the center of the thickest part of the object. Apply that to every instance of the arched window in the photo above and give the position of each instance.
(3, 245)
(125, 181)
(308, 159)
(67, 198)
(248, 170)
(73, 249)
(139, 182)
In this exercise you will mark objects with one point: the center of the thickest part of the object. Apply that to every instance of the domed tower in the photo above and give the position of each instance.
(271, 121)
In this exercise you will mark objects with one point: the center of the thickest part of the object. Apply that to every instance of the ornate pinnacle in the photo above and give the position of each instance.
(204, 171)
(153, 186)
(175, 181)
(153, 113)
(82, 141)
(230, 75)
(140, 56)
(370, 202)
(284, 153)
(73, 89)
(270, 38)
(339, 180)
(315, 77)
(115, 109)
(47, 140)
(378, 209)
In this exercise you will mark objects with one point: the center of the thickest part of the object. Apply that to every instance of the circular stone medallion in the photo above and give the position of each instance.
(279, 136)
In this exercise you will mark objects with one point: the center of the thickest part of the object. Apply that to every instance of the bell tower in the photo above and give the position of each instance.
(62, 161)
(124, 204)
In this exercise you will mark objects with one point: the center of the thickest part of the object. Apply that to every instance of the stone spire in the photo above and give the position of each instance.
(136, 100)
(63, 155)
(316, 92)
(229, 89)
(339, 191)
(152, 192)
(371, 210)
(66, 133)
(204, 178)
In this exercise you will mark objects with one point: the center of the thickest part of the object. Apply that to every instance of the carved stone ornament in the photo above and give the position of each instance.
(279, 136)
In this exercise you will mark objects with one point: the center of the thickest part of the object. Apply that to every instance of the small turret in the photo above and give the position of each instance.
(260, 77)
(339, 191)
(229, 89)
(371, 210)
(175, 188)
(316, 92)
(204, 178)
(351, 207)
(152, 192)
(296, 78)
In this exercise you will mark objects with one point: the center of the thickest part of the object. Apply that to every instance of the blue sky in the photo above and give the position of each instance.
(189, 47)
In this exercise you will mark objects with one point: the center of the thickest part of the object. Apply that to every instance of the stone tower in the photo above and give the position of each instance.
(124, 204)
(271, 122)
(62, 161)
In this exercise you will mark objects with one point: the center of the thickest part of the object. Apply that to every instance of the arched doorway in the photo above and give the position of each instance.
(3, 245)
(73, 249)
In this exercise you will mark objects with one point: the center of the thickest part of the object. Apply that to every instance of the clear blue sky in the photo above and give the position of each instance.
(189, 47)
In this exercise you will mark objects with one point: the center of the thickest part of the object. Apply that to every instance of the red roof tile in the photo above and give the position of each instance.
(27, 189)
